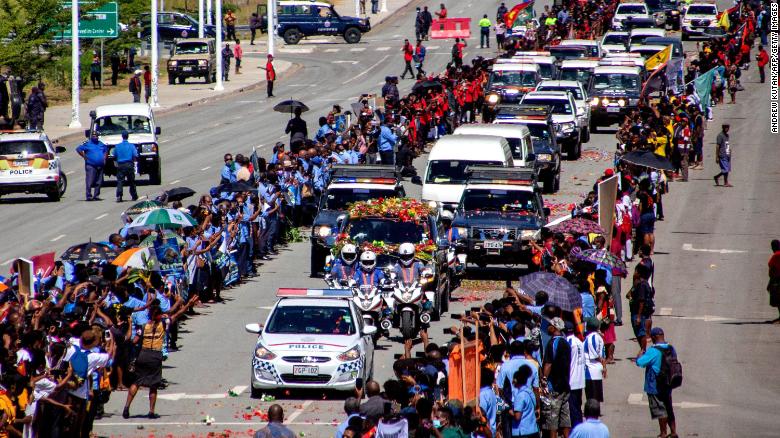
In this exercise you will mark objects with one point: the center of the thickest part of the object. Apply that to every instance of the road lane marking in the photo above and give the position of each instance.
(357, 49)
(57, 238)
(101, 216)
(70, 172)
(309, 50)
(265, 307)
(206, 168)
(364, 72)
(432, 47)
(298, 412)
(665, 311)
(639, 399)
(382, 49)
(345, 62)
(7, 262)
(176, 181)
(689, 247)
(201, 423)
(331, 50)
(238, 389)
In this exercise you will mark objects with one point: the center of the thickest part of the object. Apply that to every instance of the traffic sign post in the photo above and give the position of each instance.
(102, 22)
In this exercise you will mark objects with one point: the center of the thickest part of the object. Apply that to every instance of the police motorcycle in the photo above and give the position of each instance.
(370, 287)
(412, 307)
(456, 262)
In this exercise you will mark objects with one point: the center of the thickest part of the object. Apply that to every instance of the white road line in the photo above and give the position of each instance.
(364, 72)
(7, 262)
(665, 311)
(432, 47)
(635, 399)
(331, 50)
(298, 412)
(283, 136)
(261, 307)
(101, 216)
(358, 49)
(689, 247)
(164, 141)
(57, 238)
(70, 172)
(345, 62)
(176, 181)
(639, 399)
(206, 168)
(200, 423)
(382, 49)
(296, 50)
(238, 389)
(298, 85)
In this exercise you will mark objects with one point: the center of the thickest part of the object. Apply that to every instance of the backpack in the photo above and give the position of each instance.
(79, 361)
(671, 374)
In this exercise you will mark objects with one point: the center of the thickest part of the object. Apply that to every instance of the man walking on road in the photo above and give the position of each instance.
(94, 153)
(774, 278)
(135, 86)
(484, 32)
(659, 394)
(419, 57)
(254, 24)
(723, 156)
(36, 106)
(298, 131)
(762, 59)
(147, 83)
(408, 57)
(126, 155)
(457, 52)
(387, 141)
(275, 427)
(641, 304)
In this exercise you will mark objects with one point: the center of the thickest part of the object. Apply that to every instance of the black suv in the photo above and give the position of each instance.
(299, 19)
(171, 25)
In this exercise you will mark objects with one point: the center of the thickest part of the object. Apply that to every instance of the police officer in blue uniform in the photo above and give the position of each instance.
(344, 268)
(94, 152)
(126, 155)
(367, 274)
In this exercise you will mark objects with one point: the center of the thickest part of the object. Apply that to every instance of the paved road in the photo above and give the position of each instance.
(727, 350)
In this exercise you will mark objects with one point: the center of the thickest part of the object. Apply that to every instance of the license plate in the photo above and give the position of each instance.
(187, 68)
(493, 244)
(305, 370)
(613, 109)
(20, 163)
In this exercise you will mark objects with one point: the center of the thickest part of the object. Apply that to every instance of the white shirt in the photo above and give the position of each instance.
(594, 352)
(577, 365)
(95, 361)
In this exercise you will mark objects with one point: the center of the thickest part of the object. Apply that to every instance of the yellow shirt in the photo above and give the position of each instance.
(7, 409)
(484, 22)
(660, 145)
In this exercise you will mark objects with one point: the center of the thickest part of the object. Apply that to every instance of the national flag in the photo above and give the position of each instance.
(659, 59)
(724, 21)
(702, 86)
(656, 81)
(525, 7)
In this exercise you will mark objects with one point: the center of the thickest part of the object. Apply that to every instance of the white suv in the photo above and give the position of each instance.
(697, 17)
(627, 11)
(564, 115)
(580, 96)
(29, 164)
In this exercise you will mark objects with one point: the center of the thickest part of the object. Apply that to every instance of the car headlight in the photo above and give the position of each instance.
(323, 230)
(493, 98)
(675, 12)
(633, 101)
(621, 102)
(568, 126)
(264, 353)
(148, 148)
(528, 234)
(543, 157)
(351, 354)
(462, 231)
(594, 101)
(171, 63)
(605, 101)
(511, 91)
(203, 62)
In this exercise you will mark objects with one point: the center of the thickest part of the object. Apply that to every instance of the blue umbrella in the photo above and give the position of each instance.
(561, 292)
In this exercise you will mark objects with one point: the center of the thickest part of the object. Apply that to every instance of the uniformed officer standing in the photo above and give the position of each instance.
(126, 155)
(94, 153)
(484, 32)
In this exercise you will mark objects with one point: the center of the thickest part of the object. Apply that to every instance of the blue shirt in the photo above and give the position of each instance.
(372, 278)
(343, 426)
(227, 173)
(524, 401)
(590, 428)
(488, 403)
(341, 271)
(651, 362)
(588, 305)
(387, 139)
(94, 153)
(510, 367)
(125, 152)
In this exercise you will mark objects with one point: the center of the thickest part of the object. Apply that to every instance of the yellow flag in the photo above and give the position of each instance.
(724, 21)
(659, 59)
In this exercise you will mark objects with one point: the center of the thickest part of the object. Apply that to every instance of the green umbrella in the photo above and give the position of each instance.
(163, 218)
(167, 234)
(143, 207)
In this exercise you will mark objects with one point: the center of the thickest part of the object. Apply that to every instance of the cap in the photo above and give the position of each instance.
(138, 71)
(609, 172)
(558, 323)
(279, 144)
(656, 331)
(568, 327)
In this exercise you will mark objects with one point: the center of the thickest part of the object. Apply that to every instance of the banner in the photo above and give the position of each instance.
(703, 88)
(656, 81)
(659, 59)
(525, 8)
(607, 193)
(674, 75)
(169, 256)
(463, 376)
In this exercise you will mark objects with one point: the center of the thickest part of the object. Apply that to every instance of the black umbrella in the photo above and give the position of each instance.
(288, 106)
(238, 186)
(89, 252)
(178, 194)
(647, 159)
(423, 86)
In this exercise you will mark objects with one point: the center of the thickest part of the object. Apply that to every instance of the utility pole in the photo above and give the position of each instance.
(75, 76)
(383, 8)
(208, 13)
(271, 13)
(357, 8)
(218, 86)
(155, 102)
(200, 18)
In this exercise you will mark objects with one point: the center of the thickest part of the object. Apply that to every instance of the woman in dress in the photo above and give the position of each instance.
(605, 312)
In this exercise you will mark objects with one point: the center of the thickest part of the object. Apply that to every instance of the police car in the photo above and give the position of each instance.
(298, 19)
(29, 164)
(698, 18)
(313, 338)
(348, 185)
(627, 11)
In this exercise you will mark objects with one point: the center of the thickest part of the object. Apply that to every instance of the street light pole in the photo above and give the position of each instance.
(383, 8)
(208, 13)
(218, 86)
(357, 8)
(155, 102)
(75, 76)
(200, 18)
(271, 12)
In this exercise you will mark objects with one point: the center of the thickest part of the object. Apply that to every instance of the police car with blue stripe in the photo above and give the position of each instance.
(313, 338)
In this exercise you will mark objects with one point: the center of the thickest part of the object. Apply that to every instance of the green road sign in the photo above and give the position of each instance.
(102, 22)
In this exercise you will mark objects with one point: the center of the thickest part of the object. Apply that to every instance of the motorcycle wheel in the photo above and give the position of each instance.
(407, 325)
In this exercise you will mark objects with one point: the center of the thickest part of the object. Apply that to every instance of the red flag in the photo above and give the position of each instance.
(42, 263)
(511, 16)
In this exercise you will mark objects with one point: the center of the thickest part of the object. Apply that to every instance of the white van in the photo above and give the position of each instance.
(445, 173)
(518, 137)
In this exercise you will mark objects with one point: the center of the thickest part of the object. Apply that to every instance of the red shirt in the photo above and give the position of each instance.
(270, 73)
(148, 78)
(774, 265)
(763, 58)
(408, 52)
(442, 13)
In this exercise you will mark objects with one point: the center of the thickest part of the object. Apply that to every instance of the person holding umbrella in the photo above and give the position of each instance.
(297, 129)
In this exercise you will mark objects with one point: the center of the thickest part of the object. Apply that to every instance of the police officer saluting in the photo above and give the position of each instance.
(126, 155)
(94, 153)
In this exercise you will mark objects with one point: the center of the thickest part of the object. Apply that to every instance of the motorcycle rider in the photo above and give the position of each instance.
(344, 267)
(409, 270)
(366, 274)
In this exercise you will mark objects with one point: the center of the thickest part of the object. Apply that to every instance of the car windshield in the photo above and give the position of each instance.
(646, 52)
(516, 145)
(452, 171)
(568, 52)
(113, 125)
(630, 9)
(615, 39)
(618, 81)
(701, 10)
(340, 198)
(558, 106)
(590, 50)
(539, 130)
(546, 70)
(573, 90)
(191, 48)
(576, 74)
(497, 200)
(22, 147)
(513, 78)
(311, 320)
(385, 230)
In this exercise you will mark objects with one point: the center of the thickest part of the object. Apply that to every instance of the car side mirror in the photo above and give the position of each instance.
(369, 330)
(157, 131)
(253, 328)
(530, 157)
(546, 211)
(417, 180)
(59, 149)
(86, 133)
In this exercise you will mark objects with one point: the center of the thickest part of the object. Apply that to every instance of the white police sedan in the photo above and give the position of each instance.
(313, 338)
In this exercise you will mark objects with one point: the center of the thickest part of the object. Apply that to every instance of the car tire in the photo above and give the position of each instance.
(576, 149)
(54, 196)
(62, 186)
(352, 35)
(207, 78)
(557, 183)
(594, 127)
(254, 392)
(155, 176)
(292, 36)
(171, 79)
(182, 79)
(685, 36)
(548, 184)
(586, 135)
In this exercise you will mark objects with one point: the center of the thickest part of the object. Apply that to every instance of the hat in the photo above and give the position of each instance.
(568, 327)
(609, 172)
(279, 144)
(657, 331)
(558, 323)
(138, 71)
